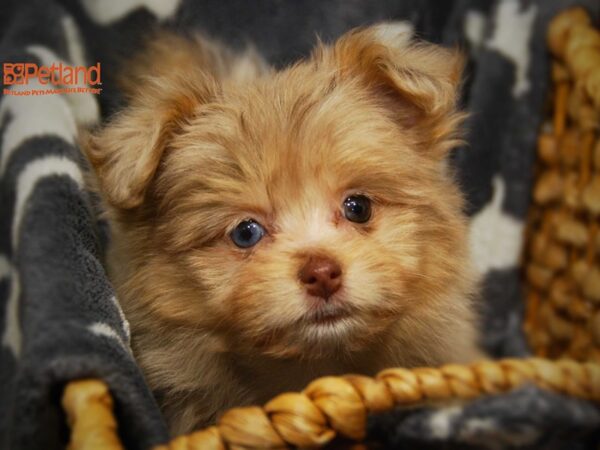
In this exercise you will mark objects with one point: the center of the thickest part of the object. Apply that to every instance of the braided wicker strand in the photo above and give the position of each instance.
(563, 244)
(573, 39)
(88, 405)
(333, 406)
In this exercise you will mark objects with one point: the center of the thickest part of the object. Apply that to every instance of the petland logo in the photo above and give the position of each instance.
(60, 79)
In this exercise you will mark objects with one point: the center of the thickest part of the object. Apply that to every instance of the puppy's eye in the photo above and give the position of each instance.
(357, 208)
(247, 233)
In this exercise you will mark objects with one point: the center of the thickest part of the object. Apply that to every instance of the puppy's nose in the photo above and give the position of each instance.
(321, 276)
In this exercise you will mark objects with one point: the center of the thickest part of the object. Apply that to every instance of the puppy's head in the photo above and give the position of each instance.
(298, 213)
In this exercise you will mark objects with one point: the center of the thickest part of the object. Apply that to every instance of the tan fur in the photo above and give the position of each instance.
(202, 148)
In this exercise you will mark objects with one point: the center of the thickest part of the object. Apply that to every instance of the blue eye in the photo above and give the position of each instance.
(247, 233)
(357, 208)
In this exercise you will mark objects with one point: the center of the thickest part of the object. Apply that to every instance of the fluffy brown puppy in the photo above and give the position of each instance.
(271, 227)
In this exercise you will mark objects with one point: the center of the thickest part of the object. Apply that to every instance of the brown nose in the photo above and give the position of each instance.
(321, 276)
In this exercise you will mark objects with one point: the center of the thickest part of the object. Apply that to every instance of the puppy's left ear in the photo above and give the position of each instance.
(417, 82)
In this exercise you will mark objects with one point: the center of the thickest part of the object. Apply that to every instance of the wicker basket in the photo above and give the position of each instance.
(563, 294)
(563, 270)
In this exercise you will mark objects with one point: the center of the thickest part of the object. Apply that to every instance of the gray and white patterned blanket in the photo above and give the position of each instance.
(59, 318)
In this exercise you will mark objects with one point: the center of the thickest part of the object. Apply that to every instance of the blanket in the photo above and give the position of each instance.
(59, 317)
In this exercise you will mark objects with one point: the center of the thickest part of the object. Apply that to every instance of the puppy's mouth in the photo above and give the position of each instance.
(326, 314)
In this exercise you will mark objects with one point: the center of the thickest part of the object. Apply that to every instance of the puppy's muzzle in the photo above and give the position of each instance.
(321, 276)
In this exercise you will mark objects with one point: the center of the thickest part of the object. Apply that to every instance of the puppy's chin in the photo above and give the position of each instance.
(309, 340)
(325, 329)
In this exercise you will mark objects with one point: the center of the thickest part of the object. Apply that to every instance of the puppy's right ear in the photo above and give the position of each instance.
(126, 153)
(166, 86)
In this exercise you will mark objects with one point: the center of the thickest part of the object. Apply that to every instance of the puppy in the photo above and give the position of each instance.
(272, 227)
